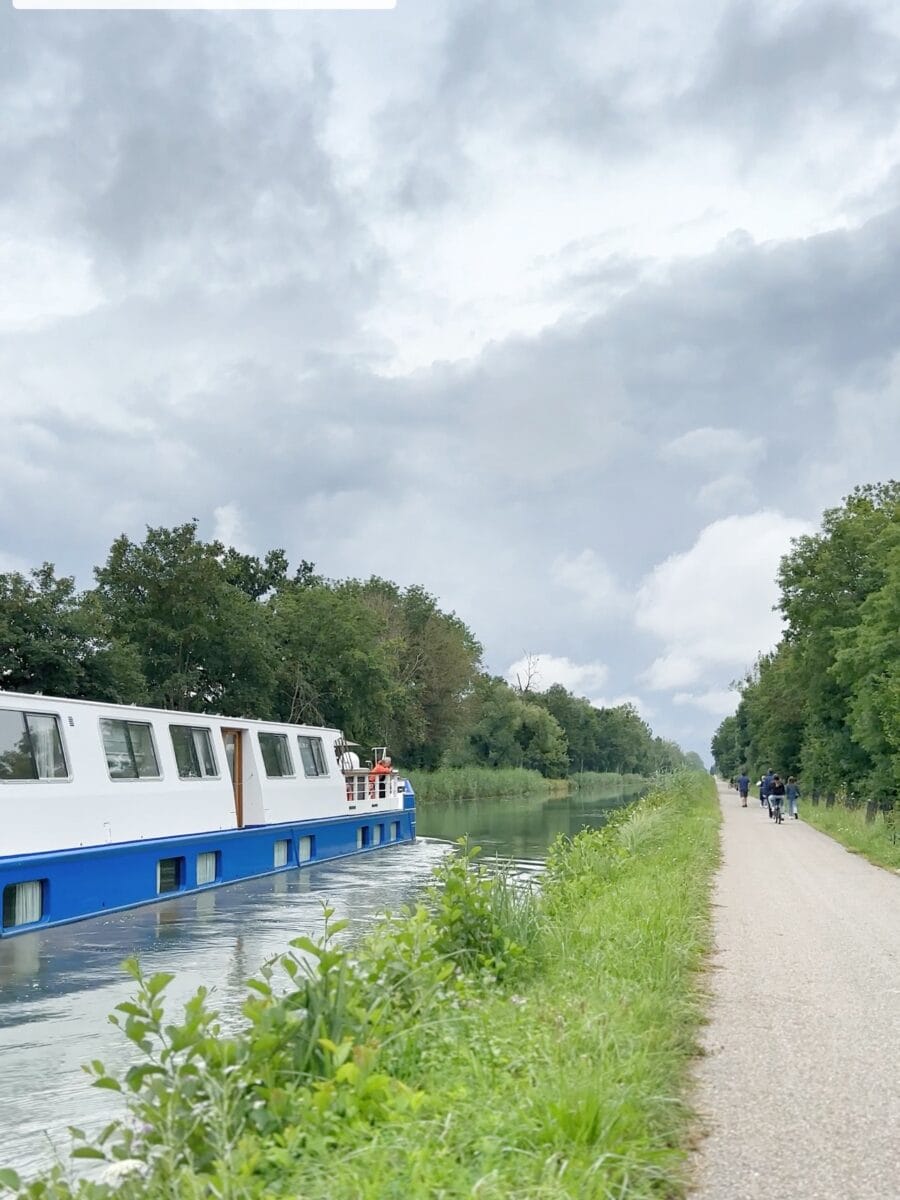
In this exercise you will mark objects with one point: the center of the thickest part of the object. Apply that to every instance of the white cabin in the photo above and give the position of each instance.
(77, 773)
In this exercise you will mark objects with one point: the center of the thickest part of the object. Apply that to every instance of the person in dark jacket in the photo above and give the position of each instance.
(766, 787)
(743, 787)
(776, 796)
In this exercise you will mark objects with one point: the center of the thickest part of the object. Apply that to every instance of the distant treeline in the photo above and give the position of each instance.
(825, 704)
(176, 622)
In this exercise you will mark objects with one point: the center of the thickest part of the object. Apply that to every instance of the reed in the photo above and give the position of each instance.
(473, 783)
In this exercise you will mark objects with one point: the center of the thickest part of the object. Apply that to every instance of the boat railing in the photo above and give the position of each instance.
(367, 789)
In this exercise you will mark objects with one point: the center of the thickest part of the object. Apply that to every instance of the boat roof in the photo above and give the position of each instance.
(168, 712)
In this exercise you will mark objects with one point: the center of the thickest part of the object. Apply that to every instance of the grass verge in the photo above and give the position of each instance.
(874, 840)
(470, 783)
(491, 1042)
(473, 783)
(601, 780)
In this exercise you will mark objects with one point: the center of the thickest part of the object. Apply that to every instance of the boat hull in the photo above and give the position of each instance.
(92, 880)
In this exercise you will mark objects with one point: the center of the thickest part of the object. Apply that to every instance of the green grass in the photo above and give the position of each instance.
(603, 780)
(470, 783)
(875, 840)
(492, 1042)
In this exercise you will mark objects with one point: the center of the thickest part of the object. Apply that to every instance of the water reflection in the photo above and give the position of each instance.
(57, 986)
(523, 827)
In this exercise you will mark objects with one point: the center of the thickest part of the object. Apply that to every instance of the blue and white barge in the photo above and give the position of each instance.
(108, 806)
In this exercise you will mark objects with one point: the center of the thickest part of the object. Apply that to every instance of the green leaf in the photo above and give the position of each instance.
(159, 982)
(9, 1179)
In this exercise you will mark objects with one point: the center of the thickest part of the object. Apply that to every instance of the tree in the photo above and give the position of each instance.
(437, 661)
(506, 728)
(57, 642)
(204, 642)
(335, 667)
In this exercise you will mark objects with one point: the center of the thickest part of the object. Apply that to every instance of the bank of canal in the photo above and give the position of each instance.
(58, 986)
(499, 1042)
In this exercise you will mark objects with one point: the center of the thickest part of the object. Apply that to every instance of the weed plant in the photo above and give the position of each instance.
(490, 1041)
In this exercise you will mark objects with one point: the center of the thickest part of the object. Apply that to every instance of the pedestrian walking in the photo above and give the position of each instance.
(792, 793)
(743, 787)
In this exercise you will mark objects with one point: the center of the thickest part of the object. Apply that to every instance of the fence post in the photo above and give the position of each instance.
(814, 797)
(829, 800)
(871, 811)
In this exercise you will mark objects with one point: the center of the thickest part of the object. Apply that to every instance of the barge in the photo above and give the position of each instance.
(109, 806)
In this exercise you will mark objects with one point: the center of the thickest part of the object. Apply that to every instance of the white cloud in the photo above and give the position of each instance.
(717, 447)
(717, 702)
(670, 671)
(229, 527)
(591, 580)
(712, 606)
(584, 679)
(727, 490)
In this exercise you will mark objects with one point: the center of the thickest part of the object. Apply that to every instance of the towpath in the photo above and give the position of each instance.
(800, 1086)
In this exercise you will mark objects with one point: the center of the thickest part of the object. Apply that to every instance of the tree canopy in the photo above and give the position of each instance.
(181, 623)
(824, 704)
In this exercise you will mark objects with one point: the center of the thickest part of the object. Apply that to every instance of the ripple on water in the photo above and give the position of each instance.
(57, 986)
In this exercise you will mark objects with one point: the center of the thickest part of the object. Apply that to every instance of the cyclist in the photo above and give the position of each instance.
(776, 797)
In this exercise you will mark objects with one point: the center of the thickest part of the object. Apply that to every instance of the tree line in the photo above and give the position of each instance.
(824, 705)
(177, 622)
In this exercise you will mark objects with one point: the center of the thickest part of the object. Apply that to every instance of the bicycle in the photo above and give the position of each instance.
(777, 812)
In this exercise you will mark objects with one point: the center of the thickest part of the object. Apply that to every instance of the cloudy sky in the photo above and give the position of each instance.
(573, 312)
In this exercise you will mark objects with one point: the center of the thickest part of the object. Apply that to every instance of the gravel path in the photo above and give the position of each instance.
(799, 1089)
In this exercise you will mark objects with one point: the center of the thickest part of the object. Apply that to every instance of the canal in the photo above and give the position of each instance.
(57, 986)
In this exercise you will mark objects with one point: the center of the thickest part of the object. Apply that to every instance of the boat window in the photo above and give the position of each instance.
(281, 855)
(193, 752)
(169, 875)
(23, 903)
(208, 866)
(276, 754)
(312, 755)
(306, 848)
(30, 747)
(129, 749)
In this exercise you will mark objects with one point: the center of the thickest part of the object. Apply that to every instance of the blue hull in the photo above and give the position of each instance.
(89, 881)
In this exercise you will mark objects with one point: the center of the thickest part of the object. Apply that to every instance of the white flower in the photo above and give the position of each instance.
(118, 1170)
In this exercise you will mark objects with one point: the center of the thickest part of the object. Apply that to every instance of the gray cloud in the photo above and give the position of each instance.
(769, 72)
(230, 356)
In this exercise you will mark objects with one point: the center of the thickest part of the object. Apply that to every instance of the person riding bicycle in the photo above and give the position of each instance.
(776, 797)
(765, 787)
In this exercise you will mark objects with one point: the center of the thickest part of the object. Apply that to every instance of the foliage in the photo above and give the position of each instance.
(179, 622)
(487, 1042)
(57, 641)
(203, 641)
(825, 702)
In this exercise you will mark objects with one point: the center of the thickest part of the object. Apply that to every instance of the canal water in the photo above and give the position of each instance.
(57, 986)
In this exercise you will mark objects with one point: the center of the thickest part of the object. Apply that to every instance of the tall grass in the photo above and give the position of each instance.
(488, 1042)
(607, 780)
(472, 783)
(878, 841)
